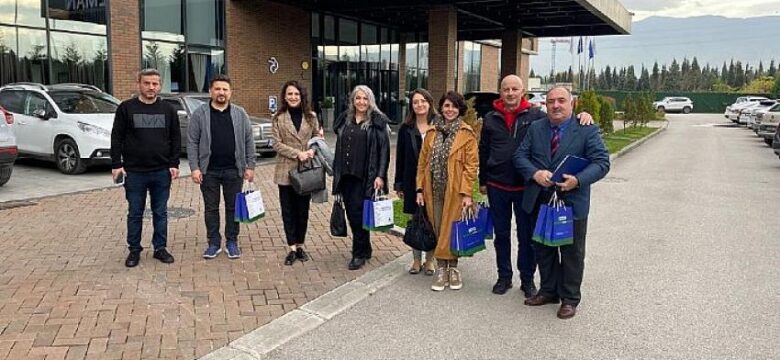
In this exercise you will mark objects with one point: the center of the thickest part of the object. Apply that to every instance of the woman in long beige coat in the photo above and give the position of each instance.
(293, 126)
(445, 175)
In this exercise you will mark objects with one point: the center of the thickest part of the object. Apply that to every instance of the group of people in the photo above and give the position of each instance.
(439, 158)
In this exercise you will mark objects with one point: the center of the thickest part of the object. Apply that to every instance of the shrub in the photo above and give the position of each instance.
(606, 114)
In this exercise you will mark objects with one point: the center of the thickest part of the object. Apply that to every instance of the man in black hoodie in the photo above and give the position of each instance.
(503, 129)
(145, 147)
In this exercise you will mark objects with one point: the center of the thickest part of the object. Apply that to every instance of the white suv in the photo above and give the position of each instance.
(66, 123)
(8, 150)
(677, 103)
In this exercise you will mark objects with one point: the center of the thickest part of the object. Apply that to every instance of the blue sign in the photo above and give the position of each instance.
(272, 104)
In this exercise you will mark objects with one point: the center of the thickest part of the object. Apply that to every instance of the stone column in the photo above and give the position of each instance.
(125, 51)
(442, 36)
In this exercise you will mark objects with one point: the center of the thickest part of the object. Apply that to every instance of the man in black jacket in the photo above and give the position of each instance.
(145, 147)
(503, 130)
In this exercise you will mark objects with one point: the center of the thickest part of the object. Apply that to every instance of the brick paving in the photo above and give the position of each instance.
(66, 294)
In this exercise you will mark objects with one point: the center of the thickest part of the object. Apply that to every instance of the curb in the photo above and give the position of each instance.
(311, 315)
(637, 143)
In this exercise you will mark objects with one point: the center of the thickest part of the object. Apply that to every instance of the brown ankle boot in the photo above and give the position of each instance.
(442, 277)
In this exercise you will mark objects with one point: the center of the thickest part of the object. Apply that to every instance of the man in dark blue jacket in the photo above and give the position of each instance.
(502, 131)
(546, 144)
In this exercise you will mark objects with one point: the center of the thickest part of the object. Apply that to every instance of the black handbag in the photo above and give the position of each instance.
(419, 233)
(338, 220)
(308, 177)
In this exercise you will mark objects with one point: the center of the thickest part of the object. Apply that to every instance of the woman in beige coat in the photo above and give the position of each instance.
(293, 125)
(445, 175)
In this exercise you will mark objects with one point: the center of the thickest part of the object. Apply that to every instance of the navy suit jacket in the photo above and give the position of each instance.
(534, 154)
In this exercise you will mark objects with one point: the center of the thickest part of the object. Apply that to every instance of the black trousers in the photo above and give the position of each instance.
(295, 214)
(230, 182)
(561, 268)
(352, 190)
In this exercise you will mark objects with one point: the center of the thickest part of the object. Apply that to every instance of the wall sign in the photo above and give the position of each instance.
(273, 65)
(272, 104)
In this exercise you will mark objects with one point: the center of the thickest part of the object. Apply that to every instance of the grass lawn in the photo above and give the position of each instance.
(622, 138)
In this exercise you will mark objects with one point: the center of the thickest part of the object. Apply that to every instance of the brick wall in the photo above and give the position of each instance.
(488, 76)
(125, 47)
(256, 31)
(442, 35)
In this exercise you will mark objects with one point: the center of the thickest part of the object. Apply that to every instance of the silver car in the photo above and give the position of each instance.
(186, 103)
(674, 103)
(8, 149)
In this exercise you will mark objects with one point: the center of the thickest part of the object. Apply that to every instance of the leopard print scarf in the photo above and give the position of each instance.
(445, 136)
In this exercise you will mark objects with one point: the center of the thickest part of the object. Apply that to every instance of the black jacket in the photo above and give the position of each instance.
(407, 153)
(378, 159)
(497, 145)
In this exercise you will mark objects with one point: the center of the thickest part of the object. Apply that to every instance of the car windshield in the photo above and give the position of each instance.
(194, 102)
(84, 102)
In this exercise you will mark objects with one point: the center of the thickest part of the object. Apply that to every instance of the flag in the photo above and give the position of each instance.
(579, 46)
(571, 45)
(590, 49)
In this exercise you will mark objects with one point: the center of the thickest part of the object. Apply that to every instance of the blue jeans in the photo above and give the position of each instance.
(502, 204)
(158, 184)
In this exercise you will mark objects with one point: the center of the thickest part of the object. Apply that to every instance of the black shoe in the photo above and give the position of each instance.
(163, 255)
(301, 255)
(502, 286)
(528, 288)
(290, 258)
(132, 259)
(356, 263)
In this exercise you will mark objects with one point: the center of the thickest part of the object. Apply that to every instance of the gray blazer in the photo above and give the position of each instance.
(199, 139)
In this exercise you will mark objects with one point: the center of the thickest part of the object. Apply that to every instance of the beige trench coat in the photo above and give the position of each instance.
(462, 165)
(288, 143)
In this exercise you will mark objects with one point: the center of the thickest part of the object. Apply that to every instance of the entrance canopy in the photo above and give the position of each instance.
(488, 19)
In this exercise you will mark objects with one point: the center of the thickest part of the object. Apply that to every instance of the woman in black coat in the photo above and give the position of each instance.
(410, 136)
(360, 164)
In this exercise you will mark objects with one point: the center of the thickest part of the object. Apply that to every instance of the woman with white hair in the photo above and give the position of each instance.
(360, 165)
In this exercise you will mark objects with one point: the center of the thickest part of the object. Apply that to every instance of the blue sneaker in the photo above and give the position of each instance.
(212, 251)
(232, 250)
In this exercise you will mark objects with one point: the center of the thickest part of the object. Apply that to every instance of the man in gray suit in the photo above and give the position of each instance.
(546, 144)
(221, 152)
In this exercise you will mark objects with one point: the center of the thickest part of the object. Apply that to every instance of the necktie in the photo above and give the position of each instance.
(555, 141)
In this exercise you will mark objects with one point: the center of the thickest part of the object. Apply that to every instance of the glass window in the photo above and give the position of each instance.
(169, 60)
(161, 16)
(422, 55)
(83, 16)
(12, 100)
(348, 34)
(411, 55)
(84, 102)
(8, 54)
(370, 36)
(203, 65)
(34, 102)
(315, 26)
(370, 53)
(32, 58)
(22, 12)
(79, 58)
(205, 19)
(330, 30)
(349, 53)
(332, 53)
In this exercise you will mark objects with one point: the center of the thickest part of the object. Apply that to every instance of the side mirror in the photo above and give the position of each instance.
(181, 113)
(42, 114)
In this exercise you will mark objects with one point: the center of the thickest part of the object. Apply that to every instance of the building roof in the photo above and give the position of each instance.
(488, 19)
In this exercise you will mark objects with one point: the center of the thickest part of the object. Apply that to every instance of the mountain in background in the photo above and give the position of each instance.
(711, 39)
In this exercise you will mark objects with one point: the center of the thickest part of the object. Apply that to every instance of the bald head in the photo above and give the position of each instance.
(512, 90)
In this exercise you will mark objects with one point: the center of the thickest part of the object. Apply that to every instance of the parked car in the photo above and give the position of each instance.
(538, 99)
(744, 113)
(767, 122)
(776, 141)
(757, 109)
(69, 124)
(674, 104)
(483, 102)
(732, 111)
(186, 103)
(8, 149)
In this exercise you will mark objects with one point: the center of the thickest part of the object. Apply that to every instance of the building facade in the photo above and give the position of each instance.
(260, 44)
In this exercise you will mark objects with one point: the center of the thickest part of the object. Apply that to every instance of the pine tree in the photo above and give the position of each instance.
(724, 73)
(695, 75)
(739, 75)
(772, 69)
(674, 81)
(655, 77)
(760, 71)
(731, 79)
(532, 74)
(630, 79)
(644, 80)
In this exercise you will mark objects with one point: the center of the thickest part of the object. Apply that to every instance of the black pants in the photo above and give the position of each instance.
(295, 214)
(353, 191)
(561, 268)
(230, 181)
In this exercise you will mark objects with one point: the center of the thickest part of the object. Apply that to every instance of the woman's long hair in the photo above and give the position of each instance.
(371, 104)
(412, 117)
(305, 106)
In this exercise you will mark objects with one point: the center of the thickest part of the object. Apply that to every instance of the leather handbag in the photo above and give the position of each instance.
(419, 233)
(338, 219)
(308, 177)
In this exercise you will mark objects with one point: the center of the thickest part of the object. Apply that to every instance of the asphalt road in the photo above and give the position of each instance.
(682, 264)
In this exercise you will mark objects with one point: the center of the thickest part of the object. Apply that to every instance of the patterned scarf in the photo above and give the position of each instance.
(445, 136)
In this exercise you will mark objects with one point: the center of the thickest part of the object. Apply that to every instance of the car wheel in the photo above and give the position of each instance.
(661, 109)
(686, 110)
(69, 161)
(768, 141)
(5, 174)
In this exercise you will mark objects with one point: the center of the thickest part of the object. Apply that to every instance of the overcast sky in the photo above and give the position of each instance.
(686, 8)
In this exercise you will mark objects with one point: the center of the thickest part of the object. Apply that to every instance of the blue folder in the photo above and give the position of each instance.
(570, 165)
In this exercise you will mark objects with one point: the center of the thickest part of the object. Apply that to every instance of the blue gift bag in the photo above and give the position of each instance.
(240, 212)
(562, 226)
(467, 237)
(378, 213)
(367, 214)
(486, 219)
(540, 228)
